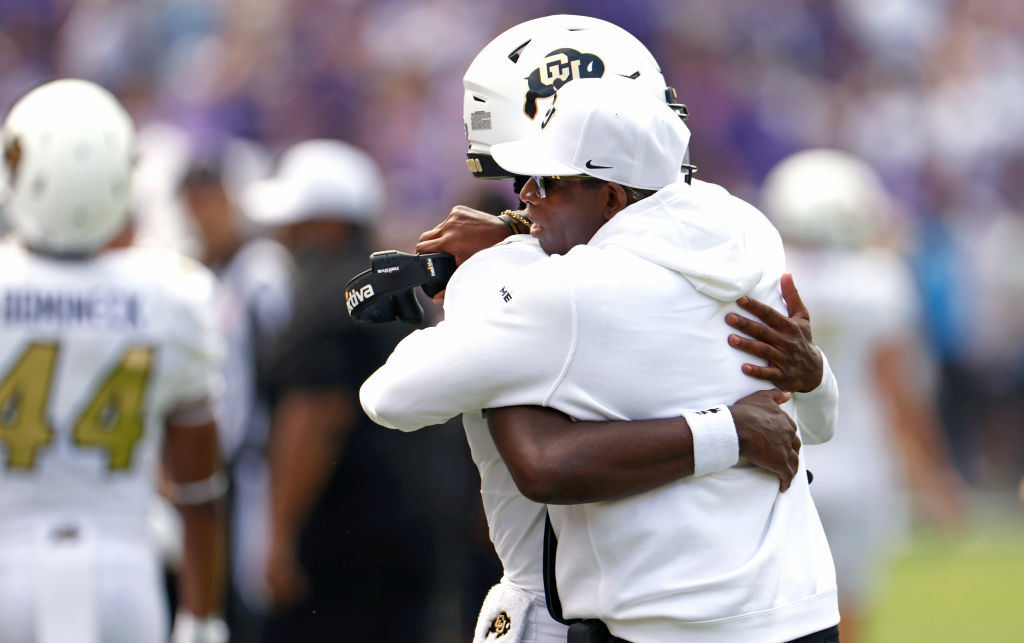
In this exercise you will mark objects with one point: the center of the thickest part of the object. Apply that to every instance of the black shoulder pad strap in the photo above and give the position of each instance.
(554, 602)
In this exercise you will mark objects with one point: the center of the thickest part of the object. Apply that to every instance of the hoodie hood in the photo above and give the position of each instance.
(722, 245)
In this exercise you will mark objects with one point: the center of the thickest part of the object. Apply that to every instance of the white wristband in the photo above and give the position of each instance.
(200, 491)
(817, 409)
(716, 446)
(189, 629)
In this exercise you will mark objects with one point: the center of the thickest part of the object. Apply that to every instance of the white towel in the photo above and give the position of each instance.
(503, 615)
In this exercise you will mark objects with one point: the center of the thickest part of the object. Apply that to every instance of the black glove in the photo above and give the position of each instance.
(385, 292)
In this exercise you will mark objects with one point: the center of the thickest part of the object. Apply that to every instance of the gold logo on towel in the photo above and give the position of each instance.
(500, 625)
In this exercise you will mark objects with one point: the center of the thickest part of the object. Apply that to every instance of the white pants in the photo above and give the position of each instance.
(69, 585)
(541, 628)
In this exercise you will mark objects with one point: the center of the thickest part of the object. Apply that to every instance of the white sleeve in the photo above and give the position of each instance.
(816, 411)
(509, 348)
(197, 345)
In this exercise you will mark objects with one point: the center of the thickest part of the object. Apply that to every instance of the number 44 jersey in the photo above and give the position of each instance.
(94, 355)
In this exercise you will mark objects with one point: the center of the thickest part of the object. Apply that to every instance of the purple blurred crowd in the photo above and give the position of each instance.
(931, 92)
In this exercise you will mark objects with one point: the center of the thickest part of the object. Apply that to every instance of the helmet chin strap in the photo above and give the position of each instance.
(690, 171)
(483, 166)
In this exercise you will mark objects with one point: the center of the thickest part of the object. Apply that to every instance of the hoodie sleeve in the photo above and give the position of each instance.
(508, 347)
(816, 411)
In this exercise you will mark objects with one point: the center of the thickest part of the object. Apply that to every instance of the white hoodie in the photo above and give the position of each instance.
(632, 326)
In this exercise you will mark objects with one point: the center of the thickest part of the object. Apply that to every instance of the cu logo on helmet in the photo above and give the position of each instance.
(556, 69)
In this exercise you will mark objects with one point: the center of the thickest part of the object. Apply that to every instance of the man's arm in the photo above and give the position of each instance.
(463, 233)
(930, 471)
(555, 460)
(191, 456)
(309, 429)
(499, 346)
(804, 366)
(795, 364)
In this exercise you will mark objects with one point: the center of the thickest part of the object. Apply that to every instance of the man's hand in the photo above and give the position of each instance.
(286, 580)
(767, 435)
(794, 362)
(463, 233)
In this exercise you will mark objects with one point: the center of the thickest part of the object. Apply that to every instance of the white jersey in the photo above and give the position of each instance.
(631, 326)
(516, 524)
(94, 354)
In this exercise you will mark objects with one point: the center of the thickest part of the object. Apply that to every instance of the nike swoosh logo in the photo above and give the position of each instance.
(591, 166)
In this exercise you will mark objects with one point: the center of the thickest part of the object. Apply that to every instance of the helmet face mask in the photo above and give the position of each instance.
(68, 156)
(510, 84)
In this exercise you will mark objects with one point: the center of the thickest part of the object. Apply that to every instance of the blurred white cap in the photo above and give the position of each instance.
(605, 128)
(317, 179)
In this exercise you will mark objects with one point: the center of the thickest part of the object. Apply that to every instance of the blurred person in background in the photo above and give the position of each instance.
(836, 219)
(351, 552)
(252, 307)
(109, 361)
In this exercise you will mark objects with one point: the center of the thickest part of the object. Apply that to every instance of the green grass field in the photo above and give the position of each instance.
(964, 588)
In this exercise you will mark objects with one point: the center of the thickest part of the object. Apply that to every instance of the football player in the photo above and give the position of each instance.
(107, 370)
(833, 212)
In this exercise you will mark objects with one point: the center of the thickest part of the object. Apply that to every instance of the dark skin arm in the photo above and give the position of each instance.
(930, 471)
(554, 460)
(310, 429)
(192, 453)
(463, 233)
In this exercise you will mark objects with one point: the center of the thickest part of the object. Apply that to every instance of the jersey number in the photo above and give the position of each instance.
(111, 420)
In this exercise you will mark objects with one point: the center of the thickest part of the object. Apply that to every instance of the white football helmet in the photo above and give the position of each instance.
(69, 148)
(510, 83)
(826, 198)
